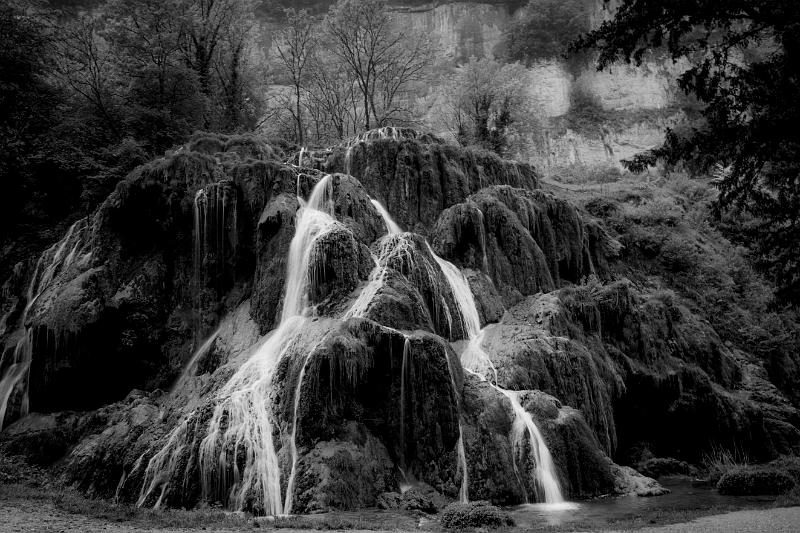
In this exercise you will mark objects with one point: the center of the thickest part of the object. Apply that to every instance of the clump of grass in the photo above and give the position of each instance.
(721, 460)
(474, 514)
(789, 499)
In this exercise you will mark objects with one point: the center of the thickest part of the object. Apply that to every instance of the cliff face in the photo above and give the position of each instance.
(236, 329)
(461, 30)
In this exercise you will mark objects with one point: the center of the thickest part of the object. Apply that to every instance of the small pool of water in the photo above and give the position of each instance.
(683, 497)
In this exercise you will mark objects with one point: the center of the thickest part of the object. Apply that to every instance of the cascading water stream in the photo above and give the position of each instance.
(65, 253)
(546, 483)
(241, 427)
(376, 281)
(191, 366)
(478, 362)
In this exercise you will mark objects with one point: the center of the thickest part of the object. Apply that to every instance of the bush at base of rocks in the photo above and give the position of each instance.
(408, 501)
(790, 499)
(664, 466)
(474, 514)
(755, 480)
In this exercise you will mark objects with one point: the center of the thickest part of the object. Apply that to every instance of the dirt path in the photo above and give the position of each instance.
(784, 520)
(30, 516)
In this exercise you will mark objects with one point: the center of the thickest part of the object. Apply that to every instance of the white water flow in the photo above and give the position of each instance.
(288, 501)
(403, 371)
(191, 366)
(237, 457)
(545, 471)
(361, 304)
(391, 225)
(68, 251)
(476, 360)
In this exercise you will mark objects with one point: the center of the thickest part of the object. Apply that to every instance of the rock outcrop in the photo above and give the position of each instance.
(159, 323)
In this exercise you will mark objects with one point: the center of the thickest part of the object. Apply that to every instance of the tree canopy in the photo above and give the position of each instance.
(745, 57)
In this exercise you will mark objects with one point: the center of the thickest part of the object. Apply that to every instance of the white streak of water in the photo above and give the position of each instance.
(71, 249)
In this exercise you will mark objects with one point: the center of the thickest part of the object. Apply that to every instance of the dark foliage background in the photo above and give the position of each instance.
(746, 71)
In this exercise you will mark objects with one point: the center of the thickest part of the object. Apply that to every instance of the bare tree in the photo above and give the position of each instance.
(383, 61)
(296, 44)
(332, 99)
(85, 64)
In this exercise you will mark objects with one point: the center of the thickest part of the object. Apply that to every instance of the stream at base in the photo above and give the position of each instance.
(683, 498)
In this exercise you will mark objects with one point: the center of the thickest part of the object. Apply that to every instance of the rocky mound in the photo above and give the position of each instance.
(231, 328)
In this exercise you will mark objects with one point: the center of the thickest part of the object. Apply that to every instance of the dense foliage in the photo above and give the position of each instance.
(545, 29)
(484, 103)
(87, 96)
(747, 481)
(480, 514)
(746, 71)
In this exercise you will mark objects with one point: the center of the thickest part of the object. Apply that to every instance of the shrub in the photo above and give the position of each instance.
(790, 499)
(474, 514)
(677, 255)
(755, 480)
(789, 464)
(579, 174)
(664, 466)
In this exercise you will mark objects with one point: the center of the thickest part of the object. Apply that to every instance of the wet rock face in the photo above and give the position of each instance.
(526, 241)
(365, 391)
(417, 178)
(115, 303)
(636, 365)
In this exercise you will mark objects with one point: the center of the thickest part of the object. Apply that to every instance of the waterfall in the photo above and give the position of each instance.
(546, 483)
(376, 281)
(477, 361)
(287, 505)
(243, 419)
(348, 160)
(191, 366)
(403, 370)
(391, 225)
(70, 250)
(215, 231)
(237, 456)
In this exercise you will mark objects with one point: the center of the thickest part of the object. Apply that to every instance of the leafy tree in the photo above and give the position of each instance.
(28, 105)
(485, 99)
(746, 70)
(164, 98)
(545, 29)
